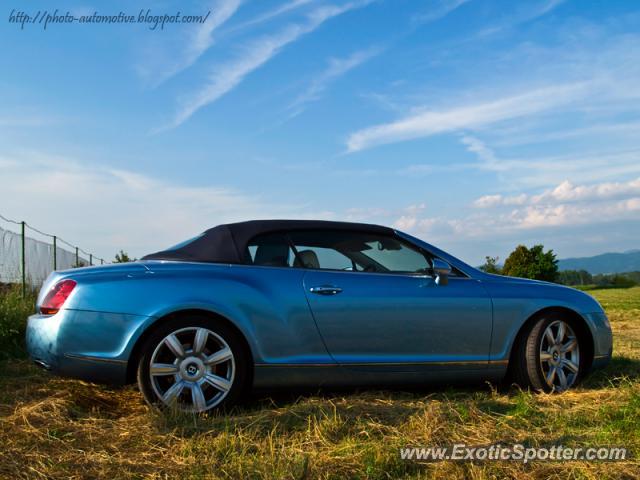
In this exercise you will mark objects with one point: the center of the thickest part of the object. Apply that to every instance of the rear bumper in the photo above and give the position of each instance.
(92, 346)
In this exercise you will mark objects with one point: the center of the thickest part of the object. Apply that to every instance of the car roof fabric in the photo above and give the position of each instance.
(227, 243)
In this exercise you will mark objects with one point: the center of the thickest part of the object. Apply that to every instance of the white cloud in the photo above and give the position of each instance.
(547, 170)
(432, 122)
(199, 40)
(337, 67)
(567, 215)
(104, 209)
(524, 92)
(557, 216)
(488, 201)
(479, 148)
(221, 11)
(271, 14)
(26, 118)
(528, 12)
(437, 10)
(405, 222)
(564, 205)
(226, 77)
(609, 130)
(410, 218)
(565, 192)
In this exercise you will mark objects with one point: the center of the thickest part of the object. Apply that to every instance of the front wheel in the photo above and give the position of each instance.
(548, 357)
(192, 364)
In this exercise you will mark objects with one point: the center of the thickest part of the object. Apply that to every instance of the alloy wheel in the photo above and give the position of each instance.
(559, 355)
(193, 369)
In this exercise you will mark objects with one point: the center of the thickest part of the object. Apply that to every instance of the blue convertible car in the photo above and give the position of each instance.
(294, 302)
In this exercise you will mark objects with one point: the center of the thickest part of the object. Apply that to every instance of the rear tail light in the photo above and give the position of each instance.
(56, 297)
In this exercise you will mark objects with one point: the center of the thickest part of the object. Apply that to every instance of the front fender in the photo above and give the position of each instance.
(515, 302)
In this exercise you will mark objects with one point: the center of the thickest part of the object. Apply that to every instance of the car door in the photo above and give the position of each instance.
(380, 307)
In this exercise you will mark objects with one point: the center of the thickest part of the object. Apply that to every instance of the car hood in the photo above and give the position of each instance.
(518, 280)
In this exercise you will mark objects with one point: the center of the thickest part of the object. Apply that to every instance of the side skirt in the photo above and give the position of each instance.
(275, 376)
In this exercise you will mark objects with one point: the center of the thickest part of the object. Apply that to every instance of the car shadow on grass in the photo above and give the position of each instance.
(621, 370)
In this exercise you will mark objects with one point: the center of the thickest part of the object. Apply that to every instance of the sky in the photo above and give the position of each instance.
(474, 125)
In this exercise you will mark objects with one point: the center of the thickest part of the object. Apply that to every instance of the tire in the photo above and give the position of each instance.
(545, 362)
(200, 365)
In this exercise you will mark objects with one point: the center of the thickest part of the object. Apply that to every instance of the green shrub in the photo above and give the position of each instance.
(14, 311)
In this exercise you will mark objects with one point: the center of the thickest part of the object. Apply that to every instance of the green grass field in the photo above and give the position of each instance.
(57, 428)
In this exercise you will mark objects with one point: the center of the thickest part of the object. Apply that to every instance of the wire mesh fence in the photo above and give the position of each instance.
(27, 260)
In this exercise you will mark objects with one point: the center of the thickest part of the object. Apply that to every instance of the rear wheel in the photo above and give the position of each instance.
(193, 364)
(548, 356)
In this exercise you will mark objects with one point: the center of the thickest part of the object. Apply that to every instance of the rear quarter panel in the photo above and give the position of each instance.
(266, 304)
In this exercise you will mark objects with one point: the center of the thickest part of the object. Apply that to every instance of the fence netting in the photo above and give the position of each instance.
(39, 257)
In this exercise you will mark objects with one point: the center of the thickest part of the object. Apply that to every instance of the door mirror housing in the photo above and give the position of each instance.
(441, 271)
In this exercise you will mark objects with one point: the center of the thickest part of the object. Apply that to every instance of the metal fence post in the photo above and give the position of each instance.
(24, 263)
(55, 252)
(90, 259)
(102, 261)
(77, 258)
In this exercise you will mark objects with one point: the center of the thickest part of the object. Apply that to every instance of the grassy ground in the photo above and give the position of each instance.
(56, 428)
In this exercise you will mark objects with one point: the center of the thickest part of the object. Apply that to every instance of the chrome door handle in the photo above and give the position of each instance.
(325, 290)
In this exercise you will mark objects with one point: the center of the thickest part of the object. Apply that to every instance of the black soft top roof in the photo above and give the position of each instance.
(227, 243)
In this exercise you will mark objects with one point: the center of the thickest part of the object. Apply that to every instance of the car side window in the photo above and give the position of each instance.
(311, 256)
(362, 252)
(270, 250)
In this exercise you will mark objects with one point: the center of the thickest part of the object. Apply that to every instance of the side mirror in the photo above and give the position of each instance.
(441, 271)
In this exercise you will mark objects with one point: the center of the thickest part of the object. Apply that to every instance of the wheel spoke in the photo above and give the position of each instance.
(551, 376)
(561, 332)
(545, 356)
(173, 392)
(569, 346)
(549, 335)
(197, 397)
(200, 340)
(174, 345)
(219, 356)
(163, 369)
(570, 365)
(220, 383)
(563, 378)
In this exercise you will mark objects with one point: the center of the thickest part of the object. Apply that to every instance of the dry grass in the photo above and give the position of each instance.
(56, 428)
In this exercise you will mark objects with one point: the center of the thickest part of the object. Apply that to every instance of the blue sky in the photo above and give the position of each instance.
(476, 125)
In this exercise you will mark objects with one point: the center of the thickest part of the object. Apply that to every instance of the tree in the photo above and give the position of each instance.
(122, 257)
(616, 280)
(491, 265)
(532, 263)
(574, 277)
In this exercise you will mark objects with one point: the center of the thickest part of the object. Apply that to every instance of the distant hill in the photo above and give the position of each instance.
(604, 263)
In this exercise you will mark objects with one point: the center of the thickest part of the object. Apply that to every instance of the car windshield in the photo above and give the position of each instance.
(185, 243)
